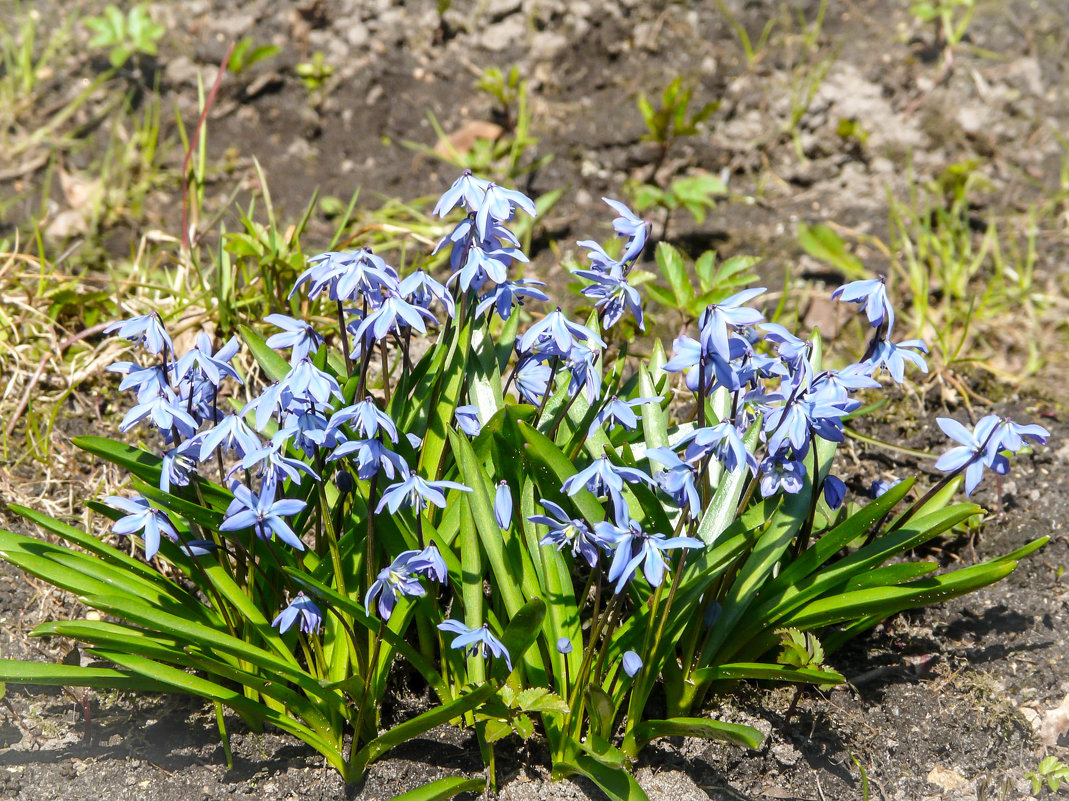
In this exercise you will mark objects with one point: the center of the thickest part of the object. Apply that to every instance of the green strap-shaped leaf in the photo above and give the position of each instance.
(443, 789)
(16, 671)
(763, 671)
(616, 783)
(736, 733)
(273, 365)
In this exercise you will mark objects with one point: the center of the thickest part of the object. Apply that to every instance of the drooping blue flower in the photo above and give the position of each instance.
(503, 505)
(571, 532)
(178, 464)
(508, 296)
(166, 412)
(467, 418)
(555, 335)
(1011, 436)
(147, 382)
(421, 290)
(880, 487)
(307, 384)
(894, 357)
(834, 491)
(636, 548)
(499, 204)
(582, 365)
(629, 225)
(601, 261)
(724, 442)
(372, 457)
(603, 478)
(467, 190)
(392, 582)
(212, 366)
(716, 319)
(532, 380)
(262, 513)
(870, 293)
(346, 275)
(677, 479)
(613, 295)
(619, 412)
(301, 611)
(632, 663)
(366, 418)
(564, 646)
(974, 451)
(146, 330)
(416, 492)
(476, 642)
(429, 564)
(195, 549)
(231, 433)
(779, 472)
(394, 314)
(141, 517)
(296, 334)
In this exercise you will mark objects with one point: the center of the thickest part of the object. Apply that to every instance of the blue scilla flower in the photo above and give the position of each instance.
(366, 418)
(880, 487)
(797, 420)
(613, 296)
(147, 331)
(631, 663)
(429, 564)
(296, 334)
(271, 463)
(301, 611)
(212, 366)
(724, 442)
(416, 492)
(555, 335)
(371, 457)
(503, 505)
(582, 369)
(178, 463)
(716, 319)
(392, 582)
(870, 293)
(601, 261)
(499, 204)
(147, 382)
(603, 478)
(306, 384)
(628, 225)
(982, 447)
(564, 646)
(834, 491)
(532, 380)
(1011, 436)
(421, 290)
(573, 533)
(476, 642)
(886, 354)
(466, 191)
(620, 412)
(677, 479)
(635, 548)
(394, 314)
(166, 411)
(262, 513)
(345, 276)
(144, 518)
(230, 433)
(507, 296)
(467, 418)
(778, 472)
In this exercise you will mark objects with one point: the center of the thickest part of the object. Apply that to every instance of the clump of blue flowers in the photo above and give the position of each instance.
(489, 489)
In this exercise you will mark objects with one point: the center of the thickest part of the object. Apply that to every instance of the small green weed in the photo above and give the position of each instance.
(1051, 771)
(125, 36)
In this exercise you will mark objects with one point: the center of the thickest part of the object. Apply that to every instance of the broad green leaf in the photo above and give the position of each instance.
(272, 364)
(675, 272)
(616, 783)
(823, 244)
(16, 671)
(738, 734)
(443, 789)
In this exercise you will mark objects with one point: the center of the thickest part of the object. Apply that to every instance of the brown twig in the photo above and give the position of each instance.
(66, 343)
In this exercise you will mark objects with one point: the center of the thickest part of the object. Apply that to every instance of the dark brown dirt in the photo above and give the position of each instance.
(944, 699)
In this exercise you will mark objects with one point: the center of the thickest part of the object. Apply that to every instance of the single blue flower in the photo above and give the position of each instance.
(632, 663)
(429, 564)
(466, 191)
(601, 261)
(618, 412)
(366, 418)
(582, 368)
(391, 582)
(879, 486)
(420, 290)
(507, 296)
(178, 464)
(166, 412)
(476, 642)
(613, 295)
(724, 442)
(213, 366)
(301, 611)
(872, 294)
(885, 353)
(271, 462)
(503, 505)
(499, 204)
(467, 418)
(603, 478)
(394, 314)
(231, 433)
(834, 491)
(262, 513)
(195, 549)
(564, 646)
(571, 532)
(144, 518)
(974, 452)
(416, 492)
(307, 384)
(628, 225)
(372, 457)
(555, 334)
(532, 380)
(778, 472)
(636, 548)
(677, 480)
(716, 318)
(147, 331)
(296, 334)
(147, 382)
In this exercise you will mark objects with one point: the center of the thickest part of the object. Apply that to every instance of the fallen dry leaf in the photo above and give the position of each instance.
(462, 140)
(946, 779)
(1055, 723)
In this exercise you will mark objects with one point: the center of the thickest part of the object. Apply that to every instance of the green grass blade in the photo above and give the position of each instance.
(443, 789)
(16, 671)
